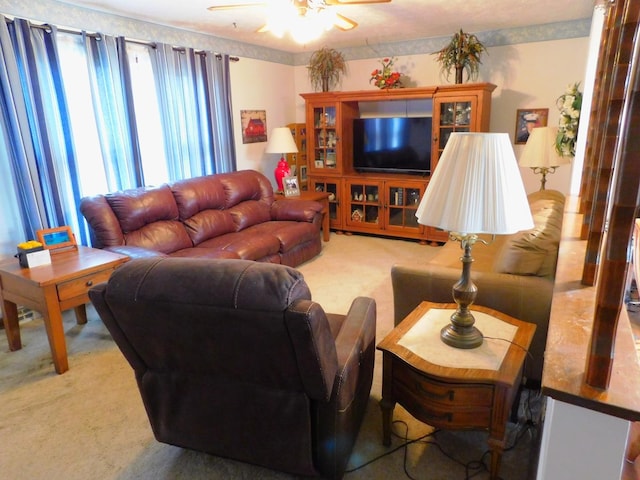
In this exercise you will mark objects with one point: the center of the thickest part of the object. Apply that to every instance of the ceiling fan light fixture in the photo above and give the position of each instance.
(344, 23)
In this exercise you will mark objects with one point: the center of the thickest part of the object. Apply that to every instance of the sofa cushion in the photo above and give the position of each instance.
(138, 207)
(209, 224)
(250, 212)
(289, 234)
(194, 195)
(246, 244)
(148, 217)
(534, 252)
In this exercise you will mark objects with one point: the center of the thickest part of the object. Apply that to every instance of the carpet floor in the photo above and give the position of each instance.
(89, 423)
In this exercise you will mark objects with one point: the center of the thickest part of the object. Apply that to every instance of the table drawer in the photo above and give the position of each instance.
(80, 286)
(439, 416)
(446, 394)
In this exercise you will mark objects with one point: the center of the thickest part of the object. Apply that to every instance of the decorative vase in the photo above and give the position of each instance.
(325, 84)
(281, 171)
(459, 72)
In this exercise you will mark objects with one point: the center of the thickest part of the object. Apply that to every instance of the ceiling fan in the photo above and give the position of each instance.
(283, 13)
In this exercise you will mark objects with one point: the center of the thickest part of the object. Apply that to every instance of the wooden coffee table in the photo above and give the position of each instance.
(51, 289)
(454, 388)
(320, 197)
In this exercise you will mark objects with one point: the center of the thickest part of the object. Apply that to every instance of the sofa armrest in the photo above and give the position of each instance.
(357, 334)
(295, 210)
(524, 297)
(135, 252)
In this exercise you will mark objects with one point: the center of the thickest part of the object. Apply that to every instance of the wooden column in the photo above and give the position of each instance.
(621, 213)
(614, 62)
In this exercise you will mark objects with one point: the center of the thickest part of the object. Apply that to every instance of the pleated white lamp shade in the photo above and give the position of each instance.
(476, 187)
(540, 149)
(281, 141)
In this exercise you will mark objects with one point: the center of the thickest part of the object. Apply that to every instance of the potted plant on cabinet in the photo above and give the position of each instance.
(462, 53)
(325, 68)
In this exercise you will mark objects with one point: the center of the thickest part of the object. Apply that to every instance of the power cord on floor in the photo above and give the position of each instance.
(473, 467)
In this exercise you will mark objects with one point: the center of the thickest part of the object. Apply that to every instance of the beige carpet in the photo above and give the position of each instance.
(89, 423)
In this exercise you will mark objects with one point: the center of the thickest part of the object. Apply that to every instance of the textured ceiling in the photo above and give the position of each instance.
(400, 20)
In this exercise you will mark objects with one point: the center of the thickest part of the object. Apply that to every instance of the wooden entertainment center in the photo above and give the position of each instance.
(384, 203)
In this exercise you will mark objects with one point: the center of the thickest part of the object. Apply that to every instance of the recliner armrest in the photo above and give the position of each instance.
(358, 333)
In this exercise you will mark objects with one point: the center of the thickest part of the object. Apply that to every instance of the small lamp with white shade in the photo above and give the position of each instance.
(476, 189)
(540, 153)
(281, 141)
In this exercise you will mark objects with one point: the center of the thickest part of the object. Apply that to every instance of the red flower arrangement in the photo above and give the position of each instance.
(384, 77)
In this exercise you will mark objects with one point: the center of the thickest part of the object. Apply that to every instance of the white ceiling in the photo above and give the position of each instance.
(400, 20)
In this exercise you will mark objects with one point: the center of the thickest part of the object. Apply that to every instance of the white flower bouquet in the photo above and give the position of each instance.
(569, 105)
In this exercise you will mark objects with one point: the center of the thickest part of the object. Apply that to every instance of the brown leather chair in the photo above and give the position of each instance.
(233, 358)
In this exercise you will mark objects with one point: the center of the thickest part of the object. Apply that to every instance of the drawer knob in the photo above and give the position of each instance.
(89, 283)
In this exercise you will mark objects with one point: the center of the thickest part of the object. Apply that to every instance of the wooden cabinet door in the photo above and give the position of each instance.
(451, 115)
(401, 203)
(364, 204)
(333, 186)
(323, 138)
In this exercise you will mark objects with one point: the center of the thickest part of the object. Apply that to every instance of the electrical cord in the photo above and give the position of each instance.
(473, 467)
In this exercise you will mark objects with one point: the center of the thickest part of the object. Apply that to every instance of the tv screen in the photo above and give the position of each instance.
(392, 145)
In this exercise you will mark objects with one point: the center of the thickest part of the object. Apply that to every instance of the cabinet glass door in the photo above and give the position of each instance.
(403, 203)
(332, 187)
(364, 204)
(456, 115)
(325, 137)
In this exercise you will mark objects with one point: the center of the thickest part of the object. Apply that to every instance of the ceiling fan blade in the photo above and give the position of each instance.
(355, 2)
(230, 6)
(343, 23)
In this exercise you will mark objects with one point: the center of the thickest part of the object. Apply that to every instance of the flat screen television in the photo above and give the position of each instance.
(392, 145)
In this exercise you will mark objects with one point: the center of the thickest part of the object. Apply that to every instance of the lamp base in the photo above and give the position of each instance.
(461, 337)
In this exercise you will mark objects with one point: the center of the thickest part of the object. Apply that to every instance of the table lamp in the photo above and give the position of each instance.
(281, 141)
(475, 189)
(540, 153)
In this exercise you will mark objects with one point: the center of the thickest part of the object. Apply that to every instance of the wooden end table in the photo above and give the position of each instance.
(320, 197)
(450, 397)
(51, 289)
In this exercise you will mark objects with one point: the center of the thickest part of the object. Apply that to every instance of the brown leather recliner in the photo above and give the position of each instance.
(233, 358)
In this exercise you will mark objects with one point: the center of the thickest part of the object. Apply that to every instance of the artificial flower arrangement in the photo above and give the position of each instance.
(569, 105)
(384, 77)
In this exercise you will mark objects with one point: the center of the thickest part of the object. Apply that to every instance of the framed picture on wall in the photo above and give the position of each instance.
(527, 119)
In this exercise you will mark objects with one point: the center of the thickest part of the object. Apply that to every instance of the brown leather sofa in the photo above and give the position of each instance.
(233, 358)
(515, 274)
(230, 215)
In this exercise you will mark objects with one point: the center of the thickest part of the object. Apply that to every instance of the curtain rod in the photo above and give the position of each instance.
(46, 26)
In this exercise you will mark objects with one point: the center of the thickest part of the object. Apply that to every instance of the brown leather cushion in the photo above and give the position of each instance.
(139, 207)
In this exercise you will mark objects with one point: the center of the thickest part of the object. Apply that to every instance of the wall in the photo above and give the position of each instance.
(529, 75)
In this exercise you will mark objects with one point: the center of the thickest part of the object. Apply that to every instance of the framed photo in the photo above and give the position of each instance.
(303, 173)
(56, 238)
(527, 119)
(254, 126)
(291, 188)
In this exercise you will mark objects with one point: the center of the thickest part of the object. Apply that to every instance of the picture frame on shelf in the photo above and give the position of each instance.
(528, 119)
(303, 173)
(291, 188)
(56, 238)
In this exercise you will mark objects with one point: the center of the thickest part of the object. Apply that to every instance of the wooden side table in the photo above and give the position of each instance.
(320, 197)
(51, 289)
(454, 388)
